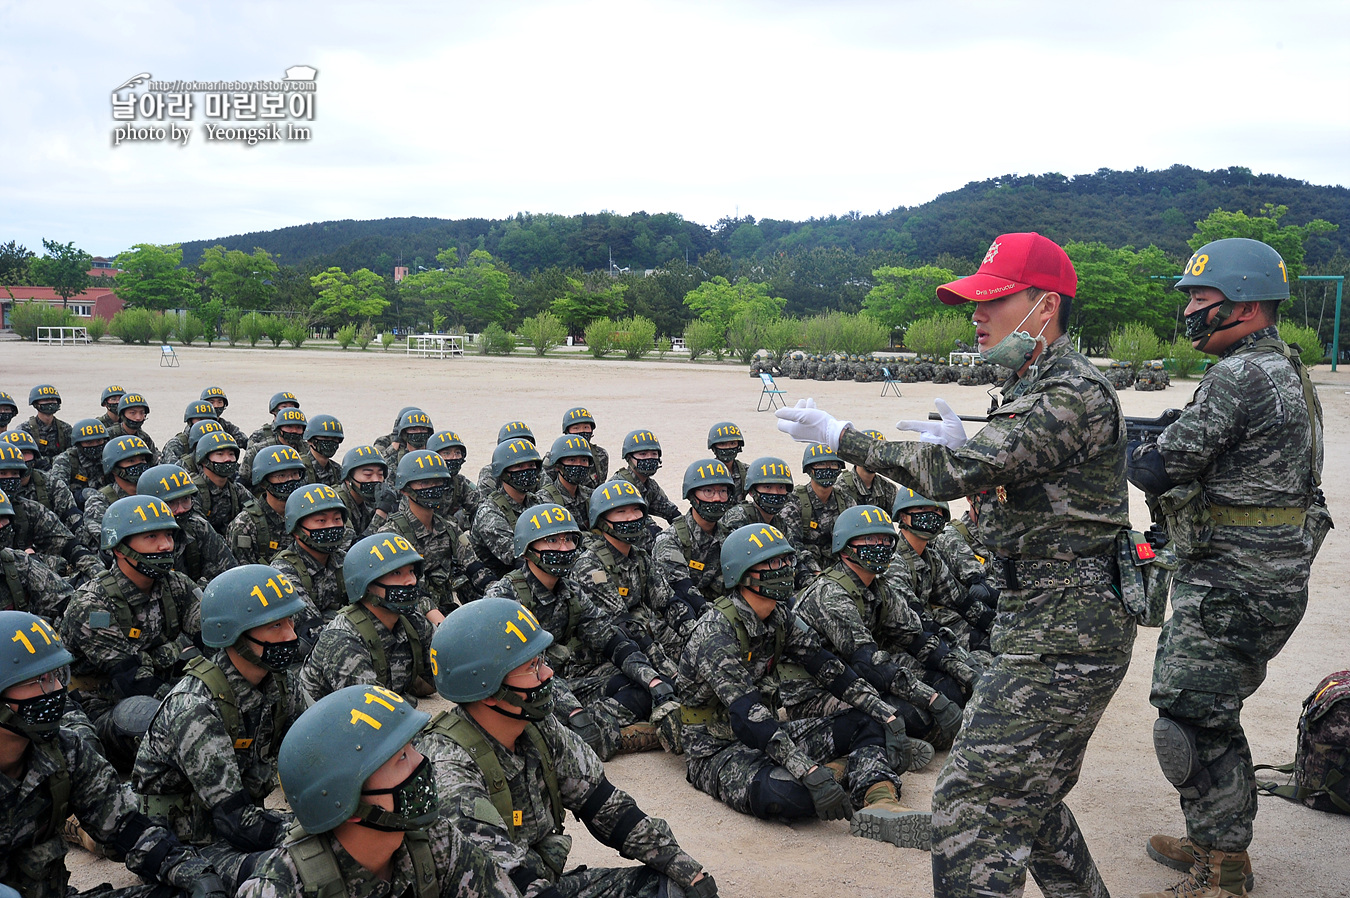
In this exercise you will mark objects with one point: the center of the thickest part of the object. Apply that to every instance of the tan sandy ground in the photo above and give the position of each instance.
(1121, 799)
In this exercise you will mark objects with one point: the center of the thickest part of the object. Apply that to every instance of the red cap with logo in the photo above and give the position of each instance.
(1013, 263)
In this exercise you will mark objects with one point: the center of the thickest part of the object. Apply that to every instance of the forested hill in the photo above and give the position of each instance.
(1118, 208)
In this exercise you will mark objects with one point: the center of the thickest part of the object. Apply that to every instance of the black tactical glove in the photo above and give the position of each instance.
(661, 693)
(704, 888)
(1157, 537)
(386, 500)
(828, 796)
(209, 886)
(899, 750)
(585, 726)
(947, 715)
(983, 593)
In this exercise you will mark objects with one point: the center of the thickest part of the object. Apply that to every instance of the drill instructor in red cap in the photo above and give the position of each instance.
(1047, 476)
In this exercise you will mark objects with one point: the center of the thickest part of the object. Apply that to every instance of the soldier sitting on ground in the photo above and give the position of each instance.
(463, 501)
(80, 467)
(26, 584)
(37, 485)
(568, 481)
(132, 410)
(323, 439)
(688, 554)
(219, 401)
(727, 442)
(51, 434)
(642, 455)
(199, 551)
(220, 497)
(259, 531)
(517, 471)
(363, 475)
(288, 429)
(810, 520)
(312, 563)
(180, 444)
(266, 435)
(866, 487)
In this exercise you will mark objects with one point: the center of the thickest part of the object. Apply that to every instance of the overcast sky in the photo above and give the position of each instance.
(779, 110)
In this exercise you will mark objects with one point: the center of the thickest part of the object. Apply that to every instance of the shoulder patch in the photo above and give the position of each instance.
(481, 809)
(599, 576)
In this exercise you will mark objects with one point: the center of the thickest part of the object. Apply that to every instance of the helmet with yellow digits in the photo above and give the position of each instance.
(88, 430)
(29, 648)
(748, 546)
(212, 440)
(44, 393)
(111, 392)
(480, 643)
(571, 445)
(575, 416)
(768, 470)
(864, 520)
(314, 498)
(359, 457)
(21, 440)
(511, 453)
(613, 494)
(280, 399)
(420, 464)
(371, 558)
(540, 522)
(1242, 269)
(708, 472)
(334, 747)
(198, 410)
(201, 428)
(211, 394)
(245, 597)
(132, 515)
(515, 430)
(167, 482)
(274, 460)
(414, 428)
(119, 449)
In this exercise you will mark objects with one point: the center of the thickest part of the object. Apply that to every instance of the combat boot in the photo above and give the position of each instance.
(1215, 874)
(75, 834)
(839, 767)
(638, 737)
(884, 819)
(1177, 854)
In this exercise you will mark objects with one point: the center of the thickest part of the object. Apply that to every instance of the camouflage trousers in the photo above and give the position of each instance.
(728, 775)
(998, 807)
(613, 882)
(613, 701)
(1212, 655)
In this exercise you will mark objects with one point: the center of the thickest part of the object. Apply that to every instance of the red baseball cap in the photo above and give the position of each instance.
(1013, 263)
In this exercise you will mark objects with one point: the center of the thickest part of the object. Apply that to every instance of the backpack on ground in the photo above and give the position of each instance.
(1321, 768)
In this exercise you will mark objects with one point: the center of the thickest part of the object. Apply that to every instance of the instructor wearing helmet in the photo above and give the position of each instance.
(1236, 480)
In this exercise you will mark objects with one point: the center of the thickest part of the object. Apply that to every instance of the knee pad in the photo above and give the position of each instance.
(917, 720)
(853, 730)
(776, 793)
(1178, 756)
(947, 686)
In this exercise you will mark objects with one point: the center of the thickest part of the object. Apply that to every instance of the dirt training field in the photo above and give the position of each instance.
(1122, 797)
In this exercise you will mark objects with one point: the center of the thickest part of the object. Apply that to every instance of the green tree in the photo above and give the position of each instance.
(26, 317)
(635, 336)
(1136, 343)
(543, 332)
(702, 337)
(240, 280)
(937, 334)
(600, 337)
(903, 295)
(346, 297)
(14, 262)
(718, 301)
(1120, 286)
(472, 296)
(65, 269)
(584, 303)
(1305, 339)
(1287, 240)
(151, 279)
(189, 328)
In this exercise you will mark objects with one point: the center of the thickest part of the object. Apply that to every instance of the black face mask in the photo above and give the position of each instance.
(575, 474)
(399, 599)
(38, 717)
(10, 484)
(276, 656)
(453, 465)
(291, 439)
(325, 446)
(90, 455)
(926, 524)
(416, 440)
(771, 502)
(727, 456)
(416, 803)
(284, 489)
(432, 497)
(131, 426)
(155, 565)
(527, 481)
(323, 539)
(872, 557)
(1198, 327)
(50, 407)
(5, 417)
(628, 531)
(825, 476)
(776, 585)
(368, 488)
(646, 466)
(132, 473)
(553, 561)
(711, 511)
(534, 704)
(227, 469)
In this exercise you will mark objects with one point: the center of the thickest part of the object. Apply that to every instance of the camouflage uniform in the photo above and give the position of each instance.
(71, 469)
(494, 529)
(176, 448)
(52, 439)
(189, 763)
(342, 656)
(38, 528)
(463, 870)
(810, 524)
(657, 502)
(220, 505)
(234, 431)
(1245, 437)
(257, 533)
(329, 474)
(553, 491)
(32, 851)
(463, 501)
(631, 590)
(202, 553)
(452, 573)
(131, 645)
(960, 547)
(1048, 475)
(714, 678)
(321, 587)
(533, 849)
(26, 584)
(942, 605)
(881, 493)
(47, 491)
(256, 446)
(95, 507)
(600, 469)
(749, 513)
(691, 561)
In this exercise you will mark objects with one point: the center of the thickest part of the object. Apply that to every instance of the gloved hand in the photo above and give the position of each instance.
(899, 750)
(829, 797)
(807, 424)
(1157, 537)
(983, 593)
(947, 715)
(585, 726)
(661, 693)
(209, 886)
(950, 432)
(704, 888)
(386, 500)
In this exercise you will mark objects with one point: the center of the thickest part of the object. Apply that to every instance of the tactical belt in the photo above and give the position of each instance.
(1255, 516)
(1049, 573)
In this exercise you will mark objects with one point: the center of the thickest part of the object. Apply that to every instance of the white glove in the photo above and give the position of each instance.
(950, 432)
(807, 424)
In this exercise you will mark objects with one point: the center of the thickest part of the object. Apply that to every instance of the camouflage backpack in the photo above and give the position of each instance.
(1321, 768)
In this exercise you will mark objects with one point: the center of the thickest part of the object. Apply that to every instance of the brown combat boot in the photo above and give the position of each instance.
(638, 737)
(884, 819)
(1177, 854)
(839, 767)
(73, 833)
(1215, 874)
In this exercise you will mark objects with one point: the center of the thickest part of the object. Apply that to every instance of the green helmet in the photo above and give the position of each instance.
(371, 558)
(312, 500)
(860, 520)
(6, 507)
(414, 418)
(570, 445)
(420, 464)
(44, 393)
(334, 747)
(278, 399)
(398, 419)
(359, 457)
(906, 498)
(639, 441)
(11, 459)
(541, 521)
(289, 416)
(30, 647)
(86, 430)
(613, 494)
(1243, 270)
(210, 441)
(132, 515)
(201, 428)
(511, 453)
(165, 482)
(131, 400)
(215, 393)
(705, 472)
(725, 432)
(446, 439)
(748, 546)
(21, 440)
(245, 597)
(199, 409)
(515, 430)
(577, 415)
(274, 459)
(7, 401)
(119, 449)
(111, 391)
(480, 643)
(815, 454)
(324, 426)
(768, 470)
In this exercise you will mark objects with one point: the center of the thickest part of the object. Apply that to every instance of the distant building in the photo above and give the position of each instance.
(102, 268)
(96, 302)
